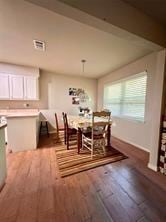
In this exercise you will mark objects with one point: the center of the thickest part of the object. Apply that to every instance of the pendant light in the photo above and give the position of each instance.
(83, 65)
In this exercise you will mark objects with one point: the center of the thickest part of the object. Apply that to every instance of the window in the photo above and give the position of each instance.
(126, 98)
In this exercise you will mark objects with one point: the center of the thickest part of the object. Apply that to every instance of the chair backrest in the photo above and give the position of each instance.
(66, 121)
(100, 122)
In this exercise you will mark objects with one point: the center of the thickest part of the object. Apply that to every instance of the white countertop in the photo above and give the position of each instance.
(10, 113)
(2, 125)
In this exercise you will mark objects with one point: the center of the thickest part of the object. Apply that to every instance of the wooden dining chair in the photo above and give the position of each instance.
(95, 140)
(58, 129)
(71, 133)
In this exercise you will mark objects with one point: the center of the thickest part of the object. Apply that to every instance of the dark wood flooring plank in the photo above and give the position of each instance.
(95, 205)
(143, 186)
(140, 159)
(130, 207)
(133, 192)
(152, 213)
(28, 208)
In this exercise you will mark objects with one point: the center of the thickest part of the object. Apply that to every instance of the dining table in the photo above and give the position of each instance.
(81, 123)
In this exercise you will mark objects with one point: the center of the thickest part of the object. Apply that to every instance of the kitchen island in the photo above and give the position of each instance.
(22, 129)
(3, 171)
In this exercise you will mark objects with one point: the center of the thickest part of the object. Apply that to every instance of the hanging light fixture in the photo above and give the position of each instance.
(83, 65)
(81, 92)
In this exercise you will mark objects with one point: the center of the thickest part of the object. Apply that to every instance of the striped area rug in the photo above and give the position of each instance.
(70, 162)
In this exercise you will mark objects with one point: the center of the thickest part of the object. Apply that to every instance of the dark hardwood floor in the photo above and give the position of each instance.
(139, 161)
(123, 191)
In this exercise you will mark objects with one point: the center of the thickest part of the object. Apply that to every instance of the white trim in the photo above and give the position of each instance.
(131, 76)
(152, 167)
(134, 144)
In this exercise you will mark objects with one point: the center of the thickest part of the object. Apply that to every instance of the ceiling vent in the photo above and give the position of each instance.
(39, 45)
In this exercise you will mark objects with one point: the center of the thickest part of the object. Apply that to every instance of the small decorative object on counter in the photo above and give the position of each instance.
(162, 153)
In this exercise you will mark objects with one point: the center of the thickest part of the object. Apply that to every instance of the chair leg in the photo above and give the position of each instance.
(103, 145)
(57, 136)
(67, 141)
(82, 142)
(65, 136)
(92, 150)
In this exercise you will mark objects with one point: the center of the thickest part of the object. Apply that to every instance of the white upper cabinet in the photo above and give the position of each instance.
(4, 86)
(17, 87)
(30, 88)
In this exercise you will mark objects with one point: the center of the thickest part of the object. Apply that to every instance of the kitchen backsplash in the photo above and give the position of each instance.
(19, 104)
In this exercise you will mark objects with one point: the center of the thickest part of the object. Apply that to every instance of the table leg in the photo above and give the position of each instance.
(109, 136)
(79, 139)
(40, 129)
(47, 129)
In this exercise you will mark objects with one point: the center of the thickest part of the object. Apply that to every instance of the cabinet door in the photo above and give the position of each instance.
(4, 86)
(17, 87)
(31, 88)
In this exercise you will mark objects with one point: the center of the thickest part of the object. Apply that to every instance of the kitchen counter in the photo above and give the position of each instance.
(22, 128)
(19, 113)
(3, 168)
(3, 125)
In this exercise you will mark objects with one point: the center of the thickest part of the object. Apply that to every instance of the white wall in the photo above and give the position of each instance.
(134, 132)
(58, 91)
(55, 94)
(157, 109)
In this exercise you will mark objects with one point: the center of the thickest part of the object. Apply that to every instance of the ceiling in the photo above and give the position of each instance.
(67, 42)
(154, 8)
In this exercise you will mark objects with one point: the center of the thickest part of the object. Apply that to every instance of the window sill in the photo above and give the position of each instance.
(130, 119)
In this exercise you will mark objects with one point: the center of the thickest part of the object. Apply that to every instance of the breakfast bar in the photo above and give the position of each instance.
(3, 170)
(22, 129)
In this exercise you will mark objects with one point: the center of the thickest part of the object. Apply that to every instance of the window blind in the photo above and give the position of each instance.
(126, 98)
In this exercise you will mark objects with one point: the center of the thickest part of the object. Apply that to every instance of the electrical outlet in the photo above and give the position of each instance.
(26, 105)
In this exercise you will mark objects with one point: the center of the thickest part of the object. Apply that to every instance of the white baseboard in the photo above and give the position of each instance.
(134, 144)
(152, 167)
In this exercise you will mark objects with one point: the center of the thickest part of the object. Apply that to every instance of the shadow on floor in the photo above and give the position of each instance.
(51, 141)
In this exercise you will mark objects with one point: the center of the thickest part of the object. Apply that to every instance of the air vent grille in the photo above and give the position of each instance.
(39, 45)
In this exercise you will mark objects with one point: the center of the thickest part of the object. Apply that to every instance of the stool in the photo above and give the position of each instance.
(43, 127)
